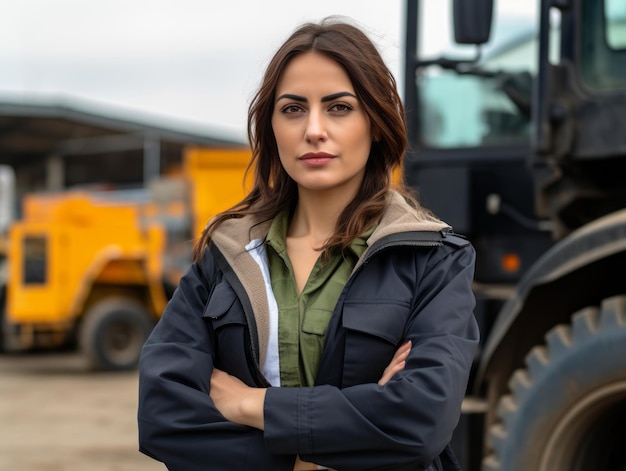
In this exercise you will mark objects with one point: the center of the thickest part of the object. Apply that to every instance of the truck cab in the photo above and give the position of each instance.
(516, 117)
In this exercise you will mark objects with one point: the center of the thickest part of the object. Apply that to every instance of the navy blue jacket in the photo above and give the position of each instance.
(410, 284)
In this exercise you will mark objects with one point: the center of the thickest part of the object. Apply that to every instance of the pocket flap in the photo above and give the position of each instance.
(382, 320)
(220, 302)
(316, 321)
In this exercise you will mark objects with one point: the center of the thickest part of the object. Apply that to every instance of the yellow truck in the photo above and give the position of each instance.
(94, 270)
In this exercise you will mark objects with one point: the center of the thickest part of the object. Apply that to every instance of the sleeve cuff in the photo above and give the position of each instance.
(287, 417)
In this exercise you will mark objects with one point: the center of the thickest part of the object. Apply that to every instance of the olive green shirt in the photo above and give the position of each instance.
(303, 320)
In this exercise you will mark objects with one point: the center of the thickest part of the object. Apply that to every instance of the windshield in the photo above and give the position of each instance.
(615, 16)
(489, 104)
(603, 51)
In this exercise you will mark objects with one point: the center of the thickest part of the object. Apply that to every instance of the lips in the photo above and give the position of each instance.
(316, 159)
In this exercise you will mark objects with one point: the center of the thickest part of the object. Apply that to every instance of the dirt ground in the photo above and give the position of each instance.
(57, 416)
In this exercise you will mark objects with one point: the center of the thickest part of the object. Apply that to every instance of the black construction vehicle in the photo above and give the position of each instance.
(518, 140)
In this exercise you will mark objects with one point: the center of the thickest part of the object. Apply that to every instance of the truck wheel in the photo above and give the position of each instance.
(567, 410)
(113, 332)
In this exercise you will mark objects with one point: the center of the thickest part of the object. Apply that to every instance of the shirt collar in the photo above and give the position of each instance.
(277, 235)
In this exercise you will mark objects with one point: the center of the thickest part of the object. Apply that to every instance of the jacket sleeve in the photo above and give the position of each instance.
(409, 420)
(178, 423)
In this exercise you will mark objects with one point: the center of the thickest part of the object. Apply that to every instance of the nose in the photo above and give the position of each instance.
(315, 129)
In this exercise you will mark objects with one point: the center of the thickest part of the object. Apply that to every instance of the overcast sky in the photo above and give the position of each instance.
(198, 61)
(189, 63)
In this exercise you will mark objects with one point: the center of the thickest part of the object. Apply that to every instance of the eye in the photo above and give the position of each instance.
(291, 109)
(340, 107)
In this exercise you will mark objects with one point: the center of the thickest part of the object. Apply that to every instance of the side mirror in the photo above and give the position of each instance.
(472, 21)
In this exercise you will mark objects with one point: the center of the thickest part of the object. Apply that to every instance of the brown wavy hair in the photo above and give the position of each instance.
(273, 190)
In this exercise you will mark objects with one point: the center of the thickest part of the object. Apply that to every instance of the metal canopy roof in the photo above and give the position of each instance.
(53, 146)
(30, 131)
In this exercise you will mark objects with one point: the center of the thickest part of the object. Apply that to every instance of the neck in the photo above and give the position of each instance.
(317, 212)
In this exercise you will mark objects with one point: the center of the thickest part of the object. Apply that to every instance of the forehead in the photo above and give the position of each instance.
(313, 71)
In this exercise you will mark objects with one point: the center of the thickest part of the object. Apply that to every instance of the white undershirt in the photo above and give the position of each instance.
(271, 368)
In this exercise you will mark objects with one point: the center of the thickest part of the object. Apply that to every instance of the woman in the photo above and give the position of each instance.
(326, 322)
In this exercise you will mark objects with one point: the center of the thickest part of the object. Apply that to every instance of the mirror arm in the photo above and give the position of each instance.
(458, 65)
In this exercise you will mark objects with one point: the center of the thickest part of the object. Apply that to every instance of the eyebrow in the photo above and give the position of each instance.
(326, 98)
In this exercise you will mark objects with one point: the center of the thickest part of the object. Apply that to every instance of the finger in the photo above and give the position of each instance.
(395, 368)
(397, 363)
(390, 371)
(405, 347)
(402, 353)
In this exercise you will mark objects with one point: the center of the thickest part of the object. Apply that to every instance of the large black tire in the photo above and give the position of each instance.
(567, 410)
(113, 332)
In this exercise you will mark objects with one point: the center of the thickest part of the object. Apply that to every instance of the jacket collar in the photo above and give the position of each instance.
(234, 234)
(399, 216)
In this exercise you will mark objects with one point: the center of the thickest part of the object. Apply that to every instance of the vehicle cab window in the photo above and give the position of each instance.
(603, 45)
(486, 103)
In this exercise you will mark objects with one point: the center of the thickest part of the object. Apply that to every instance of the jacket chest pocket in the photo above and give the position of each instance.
(225, 318)
(373, 334)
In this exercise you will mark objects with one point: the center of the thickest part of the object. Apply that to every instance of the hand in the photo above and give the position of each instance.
(396, 364)
(236, 401)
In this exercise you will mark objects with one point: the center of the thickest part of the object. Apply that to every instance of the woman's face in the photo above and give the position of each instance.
(322, 132)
